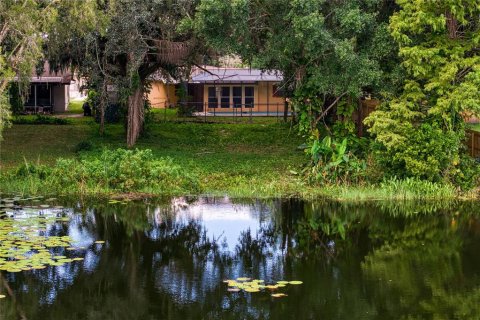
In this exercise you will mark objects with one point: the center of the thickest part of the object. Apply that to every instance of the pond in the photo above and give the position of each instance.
(171, 259)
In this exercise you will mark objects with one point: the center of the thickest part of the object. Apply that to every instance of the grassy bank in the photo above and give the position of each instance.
(256, 159)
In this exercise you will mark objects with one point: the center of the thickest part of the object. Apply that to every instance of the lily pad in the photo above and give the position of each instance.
(25, 246)
(243, 279)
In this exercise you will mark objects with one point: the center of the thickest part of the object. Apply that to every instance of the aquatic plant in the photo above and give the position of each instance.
(24, 241)
(258, 285)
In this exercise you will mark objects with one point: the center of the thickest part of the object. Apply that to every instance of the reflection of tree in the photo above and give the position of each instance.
(155, 264)
(417, 266)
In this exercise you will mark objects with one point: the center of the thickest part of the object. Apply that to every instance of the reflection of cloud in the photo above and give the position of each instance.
(208, 212)
(222, 219)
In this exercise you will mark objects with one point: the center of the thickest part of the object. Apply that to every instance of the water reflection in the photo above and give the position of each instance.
(167, 260)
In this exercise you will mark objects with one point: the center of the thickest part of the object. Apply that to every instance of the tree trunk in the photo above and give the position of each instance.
(103, 105)
(102, 119)
(135, 116)
(285, 111)
(452, 25)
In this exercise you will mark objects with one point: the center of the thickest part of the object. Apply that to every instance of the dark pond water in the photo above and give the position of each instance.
(169, 260)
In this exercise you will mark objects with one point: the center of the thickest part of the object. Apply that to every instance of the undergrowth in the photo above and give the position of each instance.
(39, 119)
(111, 171)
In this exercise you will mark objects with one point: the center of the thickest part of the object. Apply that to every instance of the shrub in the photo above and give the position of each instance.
(332, 163)
(110, 171)
(39, 119)
(31, 170)
(113, 113)
(124, 171)
(16, 102)
(83, 146)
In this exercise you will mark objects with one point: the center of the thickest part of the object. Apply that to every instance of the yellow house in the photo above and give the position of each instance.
(162, 92)
(225, 90)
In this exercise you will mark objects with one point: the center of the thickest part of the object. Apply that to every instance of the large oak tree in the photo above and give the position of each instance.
(137, 38)
(326, 50)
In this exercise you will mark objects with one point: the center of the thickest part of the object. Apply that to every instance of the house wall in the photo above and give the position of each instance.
(75, 92)
(162, 95)
(61, 98)
(265, 97)
(265, 101)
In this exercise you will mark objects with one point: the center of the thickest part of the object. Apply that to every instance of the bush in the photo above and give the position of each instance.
(83, 146)
(332, 163)
(31, 170)
(39, 119)
(113, 171)
(16, 102)
(113, 113)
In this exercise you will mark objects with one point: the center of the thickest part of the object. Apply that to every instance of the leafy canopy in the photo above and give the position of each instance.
(421, 132)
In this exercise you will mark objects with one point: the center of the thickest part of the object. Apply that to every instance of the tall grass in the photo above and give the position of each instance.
(111, 171)
(393, 189)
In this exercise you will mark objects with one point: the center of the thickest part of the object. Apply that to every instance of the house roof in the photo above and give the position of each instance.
(38, 79)
(235, 75)
(50, 76)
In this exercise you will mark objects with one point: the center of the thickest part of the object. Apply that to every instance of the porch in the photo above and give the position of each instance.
(46, 98)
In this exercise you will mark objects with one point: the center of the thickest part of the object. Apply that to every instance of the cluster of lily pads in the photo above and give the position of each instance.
(24, 243)
(258, 285)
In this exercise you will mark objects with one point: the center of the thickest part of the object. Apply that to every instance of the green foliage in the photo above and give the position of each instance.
(184, 109)
(324, 49)
(125, 170)
(332, 164)
(408, 187)
(113, 113)
(421, 132)
(466, 174)
(259, 160)
(93, 98)
(317, 230)
(28, 170)
(5, 114)
(39, 119)
(16, 101)
(23, 26)
(344, 126)
(140, 41)
(112, 171)
(329, 53)
(420, 153)
(83, 146)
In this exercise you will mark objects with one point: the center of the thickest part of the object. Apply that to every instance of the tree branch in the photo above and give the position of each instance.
(324, 113)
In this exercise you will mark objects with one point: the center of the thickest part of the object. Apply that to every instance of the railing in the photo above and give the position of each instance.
(38, 109)
(205, 111)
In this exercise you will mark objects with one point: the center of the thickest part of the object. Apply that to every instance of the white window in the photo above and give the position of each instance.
(235, 96)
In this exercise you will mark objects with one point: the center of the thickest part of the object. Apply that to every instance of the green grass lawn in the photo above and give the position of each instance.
(75, 107)
(256, 159)
(238, 159)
